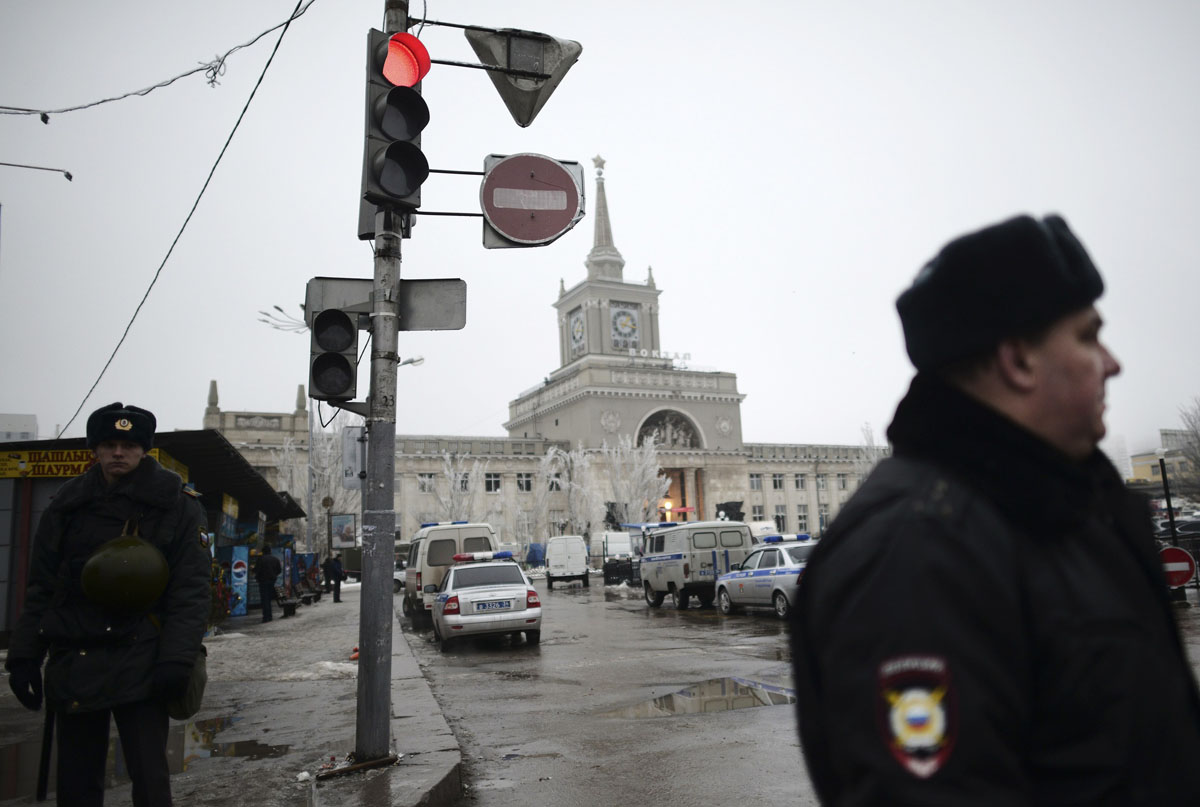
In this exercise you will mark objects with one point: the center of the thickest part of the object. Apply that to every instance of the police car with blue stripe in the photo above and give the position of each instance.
(768, 577)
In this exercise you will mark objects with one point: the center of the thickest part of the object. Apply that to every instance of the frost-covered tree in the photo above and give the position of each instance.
(458, 494)
(291, 475)
(585, 496)
(325, 456)
(1190, 415)
(547, 481)
(635, 478)
(868, 455)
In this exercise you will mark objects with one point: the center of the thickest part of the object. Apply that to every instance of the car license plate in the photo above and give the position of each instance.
(496, 605)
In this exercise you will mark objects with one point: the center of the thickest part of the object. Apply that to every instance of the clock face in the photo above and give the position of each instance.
(577, 329)
(624, 322)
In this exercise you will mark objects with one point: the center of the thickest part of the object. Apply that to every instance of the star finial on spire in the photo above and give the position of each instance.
(598, 161)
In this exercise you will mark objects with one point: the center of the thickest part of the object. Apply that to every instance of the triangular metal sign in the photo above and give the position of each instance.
(530, 51)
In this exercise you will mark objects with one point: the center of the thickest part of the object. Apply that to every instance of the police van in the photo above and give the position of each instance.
(684, 560)
(431, 553)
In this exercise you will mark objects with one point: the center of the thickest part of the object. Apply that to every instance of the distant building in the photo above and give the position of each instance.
(18, 427)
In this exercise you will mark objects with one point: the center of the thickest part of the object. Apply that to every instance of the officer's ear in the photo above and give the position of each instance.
(1015, 364)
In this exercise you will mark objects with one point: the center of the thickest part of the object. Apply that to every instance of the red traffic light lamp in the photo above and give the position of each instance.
(407, 60)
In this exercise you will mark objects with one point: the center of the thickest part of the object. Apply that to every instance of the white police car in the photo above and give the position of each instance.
(485, 593)
(768, 577)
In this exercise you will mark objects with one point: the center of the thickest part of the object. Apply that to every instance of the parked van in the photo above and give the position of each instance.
(432, 552)
(684, 561)
(609, 545)
(761, 529)
(566, 559)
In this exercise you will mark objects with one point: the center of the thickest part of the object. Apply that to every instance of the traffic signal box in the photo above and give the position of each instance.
(394, 166)
(333, 359)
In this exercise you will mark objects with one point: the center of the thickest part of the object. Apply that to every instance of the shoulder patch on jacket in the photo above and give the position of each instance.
(190, 490)
(917, 711)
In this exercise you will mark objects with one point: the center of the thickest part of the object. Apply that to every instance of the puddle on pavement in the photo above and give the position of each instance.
(715, 695)
(186, 743)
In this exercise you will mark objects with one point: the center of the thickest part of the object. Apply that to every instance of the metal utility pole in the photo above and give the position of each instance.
(372, 735)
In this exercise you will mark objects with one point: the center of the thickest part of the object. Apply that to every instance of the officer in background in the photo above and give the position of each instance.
(337, 574)
(116, 606)
(986, 622)
(266, 572)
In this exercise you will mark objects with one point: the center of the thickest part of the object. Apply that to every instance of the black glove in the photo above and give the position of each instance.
(25, 678)
(170, 679)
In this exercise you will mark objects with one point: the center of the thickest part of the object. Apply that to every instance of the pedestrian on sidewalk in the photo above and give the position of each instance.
(117, 604)
(987, 620)
(337, 575)
(266, 572)
(327, 573)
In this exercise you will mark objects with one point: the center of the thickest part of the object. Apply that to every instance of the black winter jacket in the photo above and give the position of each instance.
(96, 659)
(986, 623)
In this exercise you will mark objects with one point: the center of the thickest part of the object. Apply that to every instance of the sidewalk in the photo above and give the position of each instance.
(280, 702)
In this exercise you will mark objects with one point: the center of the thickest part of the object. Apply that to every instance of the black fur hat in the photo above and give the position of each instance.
(1008, 279)
(120, 422)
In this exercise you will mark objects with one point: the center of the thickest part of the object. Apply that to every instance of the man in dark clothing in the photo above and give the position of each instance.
(117, 605)
(337, 575)
(327, 573)
(987, 622)
(266, 572)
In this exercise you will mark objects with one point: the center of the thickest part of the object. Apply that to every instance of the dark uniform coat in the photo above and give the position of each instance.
(98, 658)
(987, 623)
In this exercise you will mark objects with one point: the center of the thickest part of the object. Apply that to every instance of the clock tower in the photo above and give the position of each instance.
(603, 315)
(615, 379)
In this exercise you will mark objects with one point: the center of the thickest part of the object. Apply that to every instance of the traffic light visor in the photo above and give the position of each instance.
(401, 113)
(333, 330)
(333, 375)
(407, 60)
(401, 168)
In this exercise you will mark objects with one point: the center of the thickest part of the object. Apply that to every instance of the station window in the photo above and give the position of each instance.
(776, 481)
(781, 517)
(802, 518)
(755, 481)
(820, 481)
(756, 512)
(491, 483)
(799, 481)
(525, 482)
(841, 480)
(425, 483)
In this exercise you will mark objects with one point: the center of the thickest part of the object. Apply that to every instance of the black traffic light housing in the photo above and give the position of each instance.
(394, 167)
(333, 359)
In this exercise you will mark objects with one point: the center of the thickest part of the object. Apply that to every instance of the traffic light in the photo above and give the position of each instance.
(393, 165)
(333, 359)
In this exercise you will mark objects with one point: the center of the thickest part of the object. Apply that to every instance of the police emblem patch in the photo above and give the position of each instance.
(123, 425)
(917, 712)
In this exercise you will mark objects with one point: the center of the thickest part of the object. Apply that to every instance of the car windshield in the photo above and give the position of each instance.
(800, 552)
(471, 577)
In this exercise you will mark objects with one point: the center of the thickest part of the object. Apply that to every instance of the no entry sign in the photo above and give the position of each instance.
(530, 199)
(1179, 566)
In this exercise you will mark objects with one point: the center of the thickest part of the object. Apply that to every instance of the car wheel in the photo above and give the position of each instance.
(653, 598)
(395, 586)
(706, 600)
(780, 601)
(549, 582)
(533, 636)
(406, 607)
(680, 599)
(725, 602)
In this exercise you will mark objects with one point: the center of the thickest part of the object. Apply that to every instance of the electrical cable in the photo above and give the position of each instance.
(212, 69)
(191, 212)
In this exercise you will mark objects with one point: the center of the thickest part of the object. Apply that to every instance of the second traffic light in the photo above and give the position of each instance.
(394, 167)
(333, 358)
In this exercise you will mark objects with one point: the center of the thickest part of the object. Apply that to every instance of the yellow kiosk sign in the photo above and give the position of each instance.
(65, 463)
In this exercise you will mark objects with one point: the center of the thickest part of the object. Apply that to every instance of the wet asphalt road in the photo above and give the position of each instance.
(588, 716)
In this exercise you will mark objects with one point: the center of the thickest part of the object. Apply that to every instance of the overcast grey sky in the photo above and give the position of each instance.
(785, 167)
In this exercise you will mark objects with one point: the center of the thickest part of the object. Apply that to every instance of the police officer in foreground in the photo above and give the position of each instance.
(986, 622)
(116, 606)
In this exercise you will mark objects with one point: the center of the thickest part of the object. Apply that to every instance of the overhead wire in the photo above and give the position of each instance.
(212, 70)
(191, 212)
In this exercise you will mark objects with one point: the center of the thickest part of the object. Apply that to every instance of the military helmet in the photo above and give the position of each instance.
(125, 574)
